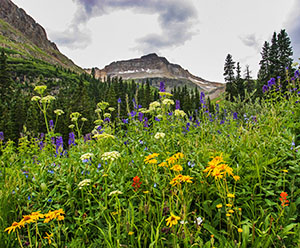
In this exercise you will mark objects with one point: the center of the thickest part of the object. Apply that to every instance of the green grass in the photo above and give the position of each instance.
(110, 212)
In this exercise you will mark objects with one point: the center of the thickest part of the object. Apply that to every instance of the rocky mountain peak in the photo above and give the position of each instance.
(24, 23)
(156, 69)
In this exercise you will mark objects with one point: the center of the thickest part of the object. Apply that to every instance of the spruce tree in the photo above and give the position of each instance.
(264, 71)
(285, 52)
(239, 82)
(229, 76)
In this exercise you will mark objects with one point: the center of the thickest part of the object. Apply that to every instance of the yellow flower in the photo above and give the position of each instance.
(163, 164)
(172, 220)
(229, 195)
(219, 206)
(150, 157)
(228, 215)
(152, 161)
(49, 237)
(229, 205)
(177, 168)
(187, 179)
(146, 192)
(36, 215)
(13, 227)
(130, 233)
(171, 160)
(178, 155)
(240, 230)
(285, 171)
(27, 219)
(236, 178)
(230, 211)
(240, 209)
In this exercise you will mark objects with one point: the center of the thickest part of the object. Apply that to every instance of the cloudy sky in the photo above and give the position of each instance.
(197, 34)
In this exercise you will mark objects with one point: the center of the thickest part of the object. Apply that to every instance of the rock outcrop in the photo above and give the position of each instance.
(156, 69)
(20, 32)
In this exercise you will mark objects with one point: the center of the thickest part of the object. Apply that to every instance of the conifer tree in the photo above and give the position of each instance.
(285, 53)
(229, 76)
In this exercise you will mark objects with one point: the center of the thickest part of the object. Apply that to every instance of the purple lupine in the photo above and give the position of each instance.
(157, 119)
(297, 74)
(107, 119)
(146, 122)
(51, 125)
(87, 137)
(235, 116)
(125, 121)
(177, 106)
(119, 100)
(265, 88)
(53, 140)
(59, 144)
(1, 136)
(134, 103)
(162, 87)
(271, 82)
(141, 116)
(132, 113)
(71, 140)
(222, 122)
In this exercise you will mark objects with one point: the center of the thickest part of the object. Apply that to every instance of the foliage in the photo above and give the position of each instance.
(161, 177)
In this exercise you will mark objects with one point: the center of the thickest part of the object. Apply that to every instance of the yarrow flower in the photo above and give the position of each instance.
(85, 182)
(111, 155)
(116, 192)
(86, 157)
(179, 113)
(168, 102)
(159, 135)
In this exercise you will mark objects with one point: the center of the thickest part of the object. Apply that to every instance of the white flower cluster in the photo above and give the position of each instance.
(58, 112)
(115, 192)
(154, 105)
(159, 135)
(47, 99)
(85, 182)
(103, 136)
(111, 155)
(168, 102)
(86, 156)
(180, 113)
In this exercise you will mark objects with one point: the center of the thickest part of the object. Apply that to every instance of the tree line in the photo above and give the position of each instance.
(275, 63)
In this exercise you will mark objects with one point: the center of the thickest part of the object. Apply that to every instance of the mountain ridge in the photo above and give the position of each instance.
(20, 32)
(156, 69)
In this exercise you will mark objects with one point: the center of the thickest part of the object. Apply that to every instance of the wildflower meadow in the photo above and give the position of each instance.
(160, 178)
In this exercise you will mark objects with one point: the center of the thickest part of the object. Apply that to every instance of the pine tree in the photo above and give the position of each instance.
(285, 52)
(264, 71)
(274, 57)
(239, 82)
(229, 76)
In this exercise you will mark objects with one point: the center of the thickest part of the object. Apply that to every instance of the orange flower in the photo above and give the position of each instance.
(284, 201)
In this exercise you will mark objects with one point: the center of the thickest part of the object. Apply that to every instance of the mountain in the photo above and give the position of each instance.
(19, 32)
(157, 69)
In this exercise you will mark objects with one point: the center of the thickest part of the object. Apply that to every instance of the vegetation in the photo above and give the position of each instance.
(159, 178)
(86, 163)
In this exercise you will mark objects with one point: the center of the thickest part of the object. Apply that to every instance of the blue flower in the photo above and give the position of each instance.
(119, 100)
(177, 106)
(235, 116)
(51, 124)
(49, 200)
(162, 87)
(71, 139)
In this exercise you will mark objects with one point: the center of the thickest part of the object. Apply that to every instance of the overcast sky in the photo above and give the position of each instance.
(197, 34)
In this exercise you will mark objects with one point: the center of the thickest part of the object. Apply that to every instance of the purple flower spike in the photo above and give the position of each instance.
(162, 87)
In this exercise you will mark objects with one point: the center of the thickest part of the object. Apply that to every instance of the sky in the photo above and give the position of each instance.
(197, 34)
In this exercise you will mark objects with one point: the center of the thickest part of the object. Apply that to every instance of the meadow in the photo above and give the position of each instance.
(159, 178)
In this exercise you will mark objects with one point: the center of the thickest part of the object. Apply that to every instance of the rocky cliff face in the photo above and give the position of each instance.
(156, 69)
(20, 32)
